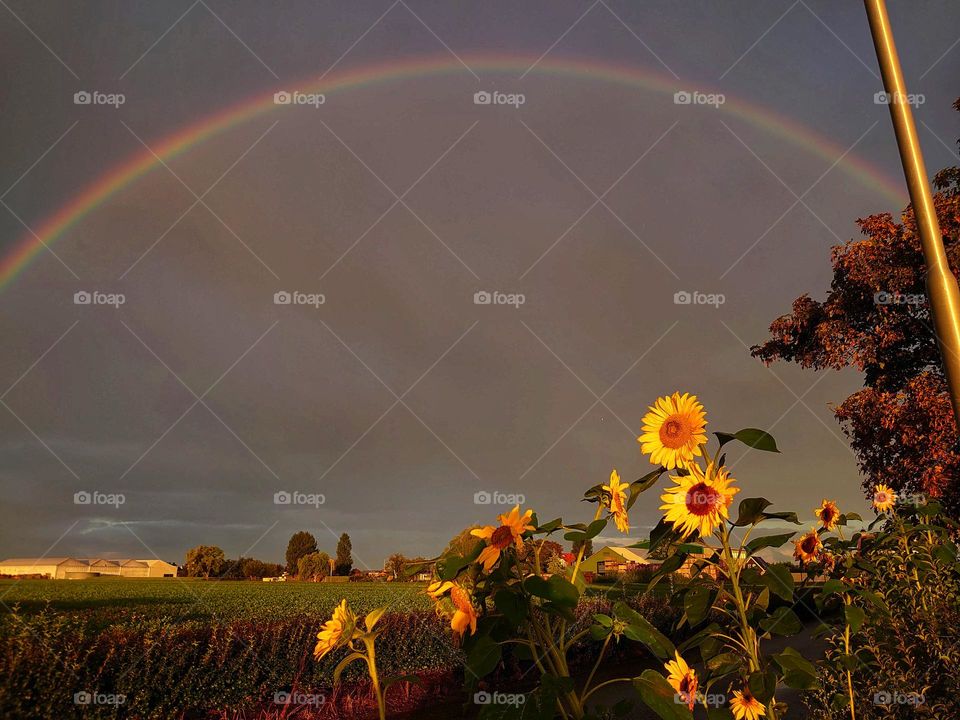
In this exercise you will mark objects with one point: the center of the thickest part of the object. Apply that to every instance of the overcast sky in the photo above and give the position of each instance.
(399, 398)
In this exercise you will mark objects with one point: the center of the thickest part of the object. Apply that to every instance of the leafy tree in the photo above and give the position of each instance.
(344, 561)
(204, 560)
(876, 318)
(395, 565)
(253, 568)
(587, 551)
(313, 567)
(233, 569)
(301, 543)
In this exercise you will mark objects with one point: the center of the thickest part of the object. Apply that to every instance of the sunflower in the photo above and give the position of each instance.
(700, 500)
(683, 679)
(745, 706)
(829, 514)
(673, 431)
(618, 502)
(337, 631)
(466, 614)
(884, 498)
(512, 527)
(808, 547)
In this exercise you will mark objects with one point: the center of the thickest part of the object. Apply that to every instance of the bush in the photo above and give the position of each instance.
(908, 648)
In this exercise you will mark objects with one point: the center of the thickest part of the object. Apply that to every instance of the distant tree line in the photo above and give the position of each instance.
(304, 560)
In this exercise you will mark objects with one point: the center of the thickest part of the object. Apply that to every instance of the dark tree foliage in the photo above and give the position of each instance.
(876, 318)
(301, 543)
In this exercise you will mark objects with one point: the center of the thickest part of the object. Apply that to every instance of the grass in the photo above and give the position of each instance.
(103, 601)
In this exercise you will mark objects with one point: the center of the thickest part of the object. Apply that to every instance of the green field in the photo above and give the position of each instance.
(183, 600)
(173, 645)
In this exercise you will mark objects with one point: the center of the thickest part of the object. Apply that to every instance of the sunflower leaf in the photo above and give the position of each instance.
(751, 437)
(768, 541)
(751, 511)
(660, 696)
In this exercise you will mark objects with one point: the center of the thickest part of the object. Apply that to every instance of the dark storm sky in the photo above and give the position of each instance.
(399, 398)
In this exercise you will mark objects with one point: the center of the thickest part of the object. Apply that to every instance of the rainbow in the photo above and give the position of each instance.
(29, 247)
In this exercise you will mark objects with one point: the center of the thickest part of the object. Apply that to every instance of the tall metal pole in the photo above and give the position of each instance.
(942, 287)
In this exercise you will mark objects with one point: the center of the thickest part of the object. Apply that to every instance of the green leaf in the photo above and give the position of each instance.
(780, 581)
(833, 586)
(639, 629)
(766, 541)
(342, 665)
(663, 532)
(751, 511)
(550, 526)
(696, 603)
(449, 566)
(659, 696)
(752, 437)
(762, 685)
(790, 659)
(513, 607)
(782, 621)
(557, 589)
(723, 664)
(415, 679)
(484, 656)
(595, 528)
(763, 599)
(643, 484)
(855, 617)
(790, 517)
(372, 617)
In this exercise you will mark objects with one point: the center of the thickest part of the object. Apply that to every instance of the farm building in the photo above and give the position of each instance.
(60, 568)
(612, 560)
